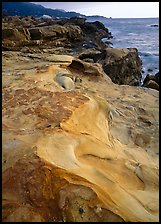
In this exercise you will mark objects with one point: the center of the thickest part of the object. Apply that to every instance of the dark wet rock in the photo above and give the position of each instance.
(35, 33)
(152, 84)
(151, 81)
(122, 65)
(81, 210)
(154, 25)
(76, 21)
(152, 77)
(97, 29)
(150, 70)
(109, 43)
(157, 77)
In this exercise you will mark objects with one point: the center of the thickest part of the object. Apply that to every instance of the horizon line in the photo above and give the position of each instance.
(132, 17)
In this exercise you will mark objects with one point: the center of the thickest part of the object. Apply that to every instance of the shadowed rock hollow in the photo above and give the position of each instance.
(89, 154)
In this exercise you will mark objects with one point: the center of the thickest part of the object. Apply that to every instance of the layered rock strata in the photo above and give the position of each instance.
(71, 34)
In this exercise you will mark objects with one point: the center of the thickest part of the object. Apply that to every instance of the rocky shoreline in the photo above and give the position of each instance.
(80, 135)
(77, 37)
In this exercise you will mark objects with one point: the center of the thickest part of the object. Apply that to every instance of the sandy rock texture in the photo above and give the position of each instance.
(83, 154)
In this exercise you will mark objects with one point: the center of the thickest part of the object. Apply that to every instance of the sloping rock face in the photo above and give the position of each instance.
(89, 154)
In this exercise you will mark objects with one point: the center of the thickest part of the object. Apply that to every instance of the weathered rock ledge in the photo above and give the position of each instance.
(71, 34)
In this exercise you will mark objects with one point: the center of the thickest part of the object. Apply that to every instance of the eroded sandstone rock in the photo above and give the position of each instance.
(92, 71)
(90, 154)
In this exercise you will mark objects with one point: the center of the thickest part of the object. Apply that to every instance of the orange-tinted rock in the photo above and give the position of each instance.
(35, 191)
(47, 107)
(83, 155)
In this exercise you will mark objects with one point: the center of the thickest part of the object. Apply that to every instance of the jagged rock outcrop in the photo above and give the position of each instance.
(122, 65)
(89, 154)
(72, 34)
(42, 34)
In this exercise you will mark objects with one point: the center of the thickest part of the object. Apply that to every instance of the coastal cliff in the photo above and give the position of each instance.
(86, 151)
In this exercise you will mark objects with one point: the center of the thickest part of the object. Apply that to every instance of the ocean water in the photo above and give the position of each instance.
(137, 33)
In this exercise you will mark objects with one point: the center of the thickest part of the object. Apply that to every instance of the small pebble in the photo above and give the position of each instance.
(81, 210)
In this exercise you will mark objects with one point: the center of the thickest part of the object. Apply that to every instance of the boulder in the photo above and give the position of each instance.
(98, 28)
(35, 33)
(122, 65)
(65, 81)
(153, 78)
(150, 70)
(151, 84)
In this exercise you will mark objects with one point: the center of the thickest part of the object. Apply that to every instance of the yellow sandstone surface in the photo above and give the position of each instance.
(89, 154)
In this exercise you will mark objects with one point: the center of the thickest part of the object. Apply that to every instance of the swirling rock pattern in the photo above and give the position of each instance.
(89, 154)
